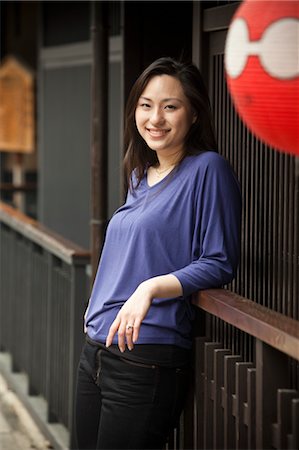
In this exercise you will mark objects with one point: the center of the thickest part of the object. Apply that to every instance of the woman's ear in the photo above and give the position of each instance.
(194, 118)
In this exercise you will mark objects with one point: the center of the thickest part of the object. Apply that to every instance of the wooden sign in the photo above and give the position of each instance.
(17, 121)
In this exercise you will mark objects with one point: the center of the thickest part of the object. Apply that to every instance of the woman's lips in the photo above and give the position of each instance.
(157, 132)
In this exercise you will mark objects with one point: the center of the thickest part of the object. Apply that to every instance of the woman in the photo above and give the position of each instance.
(177, 233)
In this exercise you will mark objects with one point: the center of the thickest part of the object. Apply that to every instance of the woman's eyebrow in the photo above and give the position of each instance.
(171, 99)
(164, 100)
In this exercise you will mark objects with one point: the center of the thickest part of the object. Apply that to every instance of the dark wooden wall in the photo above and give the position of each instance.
(269, 265)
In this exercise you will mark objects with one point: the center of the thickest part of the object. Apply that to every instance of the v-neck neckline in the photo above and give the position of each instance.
(149, 186)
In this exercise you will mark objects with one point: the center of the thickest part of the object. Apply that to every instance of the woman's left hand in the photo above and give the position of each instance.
(128, 320)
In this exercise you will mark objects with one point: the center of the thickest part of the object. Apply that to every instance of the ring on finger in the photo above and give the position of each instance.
(129, 327)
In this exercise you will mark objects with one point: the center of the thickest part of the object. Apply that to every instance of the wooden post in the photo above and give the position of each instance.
(99, 92)
(18, 180)
(197, 35)
(271, 374)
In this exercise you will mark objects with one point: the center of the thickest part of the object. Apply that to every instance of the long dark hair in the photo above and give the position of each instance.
(201, 136)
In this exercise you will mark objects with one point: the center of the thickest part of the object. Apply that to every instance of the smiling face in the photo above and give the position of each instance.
(163, 115)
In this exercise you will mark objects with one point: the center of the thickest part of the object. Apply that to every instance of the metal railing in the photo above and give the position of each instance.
(43, 294)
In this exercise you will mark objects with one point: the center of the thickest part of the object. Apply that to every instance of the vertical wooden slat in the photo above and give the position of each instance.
(274, 244)
(279, 243)
(229, 392)
(290, 235)
(209, 393)
(250, 408)
(268, 217)
(37, 374)
(254, 267)
(293, 441)
(247, 214)
(271, 374)
(264, 225)
(251, 275)
(199, 389)
(218, 412)
(240, 400)
(259, 225)
(215, 91)
(284, 243)
(283, 427)
(244, 241)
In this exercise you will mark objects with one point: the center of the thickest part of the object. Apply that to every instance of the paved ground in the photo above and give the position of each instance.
(17, 429)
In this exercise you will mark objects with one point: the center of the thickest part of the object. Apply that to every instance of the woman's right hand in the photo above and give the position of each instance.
(128, 320)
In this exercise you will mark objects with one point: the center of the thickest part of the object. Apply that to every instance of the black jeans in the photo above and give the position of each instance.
(126, 405)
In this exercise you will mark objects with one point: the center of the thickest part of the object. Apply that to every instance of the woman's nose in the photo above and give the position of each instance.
(157, 116)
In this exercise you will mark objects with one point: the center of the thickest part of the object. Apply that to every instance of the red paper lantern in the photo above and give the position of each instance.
(262, 70)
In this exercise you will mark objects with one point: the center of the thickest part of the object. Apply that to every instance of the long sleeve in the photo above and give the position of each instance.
(217, 230)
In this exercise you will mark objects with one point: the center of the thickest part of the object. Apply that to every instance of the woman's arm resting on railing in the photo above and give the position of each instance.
(218, 219)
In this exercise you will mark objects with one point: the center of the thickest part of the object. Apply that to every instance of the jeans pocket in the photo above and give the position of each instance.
(138, 364)
(88, 361)
(127, 382)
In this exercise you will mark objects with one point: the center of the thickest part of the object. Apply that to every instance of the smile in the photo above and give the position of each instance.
(156, 132)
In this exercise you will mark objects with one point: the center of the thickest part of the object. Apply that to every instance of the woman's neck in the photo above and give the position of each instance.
(167, 161)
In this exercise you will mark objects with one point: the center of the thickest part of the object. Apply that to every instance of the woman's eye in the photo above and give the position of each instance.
(171, 107)
(145, 105)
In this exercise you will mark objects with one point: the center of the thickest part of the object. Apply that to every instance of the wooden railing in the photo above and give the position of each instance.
(43, 294)
(270, 327)
(239, 402)
(41, 235)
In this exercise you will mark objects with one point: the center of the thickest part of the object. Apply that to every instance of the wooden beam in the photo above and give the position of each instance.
(271, 327)
(41, 235)
(25, 187)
